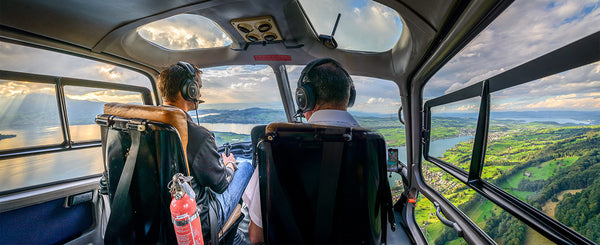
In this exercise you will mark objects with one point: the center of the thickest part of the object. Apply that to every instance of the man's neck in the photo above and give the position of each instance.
(318, 107)
(330, 107)
(179, 104)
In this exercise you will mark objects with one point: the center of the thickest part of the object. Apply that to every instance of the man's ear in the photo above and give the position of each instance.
(308, 114)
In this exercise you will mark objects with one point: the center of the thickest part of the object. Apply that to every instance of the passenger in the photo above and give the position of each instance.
(334, 93)
(218, 184)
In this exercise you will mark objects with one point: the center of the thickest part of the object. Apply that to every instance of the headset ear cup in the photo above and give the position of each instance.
(193, 90)
(305, 98)
(352, 96)
(189, 90)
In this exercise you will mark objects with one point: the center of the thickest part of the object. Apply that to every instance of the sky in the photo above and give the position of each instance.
(527, 30)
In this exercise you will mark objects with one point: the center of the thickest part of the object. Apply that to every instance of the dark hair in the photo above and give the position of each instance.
(331, 84)
(169, 81)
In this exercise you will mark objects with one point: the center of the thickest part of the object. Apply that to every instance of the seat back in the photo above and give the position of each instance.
(257, 133)
(143, 147)
(308, 199)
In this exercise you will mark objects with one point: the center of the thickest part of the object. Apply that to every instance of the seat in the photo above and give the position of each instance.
(143, 147)
(323, 184)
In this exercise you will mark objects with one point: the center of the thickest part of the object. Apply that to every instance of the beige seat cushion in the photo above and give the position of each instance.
(164, 114)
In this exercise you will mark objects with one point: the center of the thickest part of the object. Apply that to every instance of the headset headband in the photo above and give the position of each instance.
(189, 68)
(319, 62)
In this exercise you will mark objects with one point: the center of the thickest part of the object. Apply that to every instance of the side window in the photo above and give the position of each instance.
(549, 156)
(537, 153)
(453, 129)
(375, 109)
(83, 104)
(28, 115)
(48, 102)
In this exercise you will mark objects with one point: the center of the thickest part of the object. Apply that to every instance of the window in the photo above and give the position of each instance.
(237, 99)
(364, 25)
(185, 32)
(452, 130)
(43, 62)
(36, 146)
(524, 31)
(543, 129)
(543, 144)
(28, 115)
(497, 223)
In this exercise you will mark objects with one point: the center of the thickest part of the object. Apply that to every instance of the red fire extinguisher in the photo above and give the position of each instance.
(184, 212)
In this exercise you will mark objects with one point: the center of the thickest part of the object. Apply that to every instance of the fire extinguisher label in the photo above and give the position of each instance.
(183, 219)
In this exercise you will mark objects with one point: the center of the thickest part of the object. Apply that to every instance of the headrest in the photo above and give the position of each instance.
(164, 114)
(272, 127)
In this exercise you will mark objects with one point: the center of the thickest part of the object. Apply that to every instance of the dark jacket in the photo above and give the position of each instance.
(208, 172)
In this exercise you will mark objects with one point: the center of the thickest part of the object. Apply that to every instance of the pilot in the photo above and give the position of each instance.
(218, 181)
(325, 91)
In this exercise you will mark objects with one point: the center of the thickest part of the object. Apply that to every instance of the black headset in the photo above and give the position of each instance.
(189, 87)
(305, 95)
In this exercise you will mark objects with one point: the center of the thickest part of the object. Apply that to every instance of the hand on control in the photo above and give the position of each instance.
(229, 161)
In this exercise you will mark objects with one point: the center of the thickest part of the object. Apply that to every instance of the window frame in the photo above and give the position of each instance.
(59, 83)
(579, 53)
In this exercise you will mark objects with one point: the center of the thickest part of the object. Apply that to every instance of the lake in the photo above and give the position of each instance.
(437, 148)
(28, 137)
(237, 128)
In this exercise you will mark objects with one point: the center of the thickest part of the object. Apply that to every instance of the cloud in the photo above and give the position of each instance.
(107, 96)
(585, 79)
(110, 72)
(17, 88)
(577, 102)
(375, 100)
(184, 32)
(243, 85)
(525, 31)
(467, 108)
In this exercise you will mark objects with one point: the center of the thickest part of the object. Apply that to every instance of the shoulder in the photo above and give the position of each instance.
(197, 131)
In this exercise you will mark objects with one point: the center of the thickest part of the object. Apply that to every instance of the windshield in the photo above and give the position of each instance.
(237, 99)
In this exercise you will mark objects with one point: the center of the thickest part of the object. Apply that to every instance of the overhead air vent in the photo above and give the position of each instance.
(257, 29)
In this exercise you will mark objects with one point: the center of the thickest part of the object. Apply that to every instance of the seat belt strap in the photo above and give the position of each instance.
(273, 186)
(121, 211)
(328, 184)
(390, 205)
(387, 205)
(214, 223)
